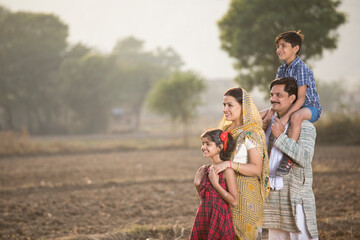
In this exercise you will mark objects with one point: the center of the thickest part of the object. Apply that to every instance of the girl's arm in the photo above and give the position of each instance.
(230, 195)
(198, 177)
(296, 106)
(251, 169)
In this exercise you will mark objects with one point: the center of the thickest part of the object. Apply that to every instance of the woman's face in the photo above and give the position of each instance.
(232, 109)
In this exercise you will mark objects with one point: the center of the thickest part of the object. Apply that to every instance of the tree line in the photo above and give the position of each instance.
(50, 86)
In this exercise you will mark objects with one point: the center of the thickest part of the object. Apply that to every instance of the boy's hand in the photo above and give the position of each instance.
(266, 124)
(214, 178)
(199, 175)
(270, 113)
(267, 119)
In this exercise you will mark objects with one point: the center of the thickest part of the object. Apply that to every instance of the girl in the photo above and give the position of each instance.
(214, 218)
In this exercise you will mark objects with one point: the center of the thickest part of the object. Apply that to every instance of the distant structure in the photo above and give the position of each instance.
(122, 121)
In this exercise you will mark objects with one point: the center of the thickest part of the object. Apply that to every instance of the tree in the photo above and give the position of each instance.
(137, 70)
(84, 90)
(31, 48)
(178, 97)
(249, 28)
(331, 96)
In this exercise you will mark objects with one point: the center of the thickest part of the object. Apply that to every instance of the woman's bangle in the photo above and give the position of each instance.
(230, 164)
(238, 167)
(225, 194)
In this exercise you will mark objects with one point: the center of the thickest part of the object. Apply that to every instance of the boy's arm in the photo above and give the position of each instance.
(296, 106)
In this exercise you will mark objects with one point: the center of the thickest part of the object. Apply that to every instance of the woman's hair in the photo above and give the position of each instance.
(235, 93)
(214, 136)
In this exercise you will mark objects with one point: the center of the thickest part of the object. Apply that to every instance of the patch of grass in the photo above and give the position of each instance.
(138, 232)
(13, 143)
(339, 128)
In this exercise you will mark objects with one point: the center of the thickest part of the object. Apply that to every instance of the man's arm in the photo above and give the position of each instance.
(302, 151)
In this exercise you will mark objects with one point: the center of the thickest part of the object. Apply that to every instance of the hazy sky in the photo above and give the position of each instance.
(188, 26)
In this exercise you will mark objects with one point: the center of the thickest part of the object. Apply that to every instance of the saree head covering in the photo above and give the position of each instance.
(248, 214)
(251, 129)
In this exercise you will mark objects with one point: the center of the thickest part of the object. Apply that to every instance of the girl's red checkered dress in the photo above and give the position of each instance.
(213, 219)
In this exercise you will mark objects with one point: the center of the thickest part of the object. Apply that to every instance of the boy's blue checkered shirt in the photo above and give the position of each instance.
(303, 76)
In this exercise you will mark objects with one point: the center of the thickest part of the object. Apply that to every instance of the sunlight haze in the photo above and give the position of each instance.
(188, 26)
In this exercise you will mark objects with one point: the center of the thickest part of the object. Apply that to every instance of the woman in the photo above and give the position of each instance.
(249, 160)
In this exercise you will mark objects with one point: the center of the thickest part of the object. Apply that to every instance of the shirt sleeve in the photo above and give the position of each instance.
(303, 77)
(278, 72)
(301, 151)
(249, 144)
(241, 155)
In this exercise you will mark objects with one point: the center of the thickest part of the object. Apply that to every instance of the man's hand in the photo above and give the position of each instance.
(277, 128)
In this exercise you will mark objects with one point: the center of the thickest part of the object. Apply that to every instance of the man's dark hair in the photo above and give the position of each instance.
(292, 37)
(290, 85)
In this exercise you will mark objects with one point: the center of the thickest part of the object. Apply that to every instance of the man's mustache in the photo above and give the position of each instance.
(275, 102)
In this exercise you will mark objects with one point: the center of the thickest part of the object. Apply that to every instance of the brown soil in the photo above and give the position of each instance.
(102, 196)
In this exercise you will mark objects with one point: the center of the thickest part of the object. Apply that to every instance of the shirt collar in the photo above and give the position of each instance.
(292, 64)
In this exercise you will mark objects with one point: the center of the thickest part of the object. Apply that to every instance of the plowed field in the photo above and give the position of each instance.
(102, 196)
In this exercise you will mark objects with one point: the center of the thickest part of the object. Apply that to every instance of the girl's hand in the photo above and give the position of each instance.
(199, 175)
(214, 178)
(219, 167)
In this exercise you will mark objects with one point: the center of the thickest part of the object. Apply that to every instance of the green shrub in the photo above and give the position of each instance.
(339, 128)
(15, 142)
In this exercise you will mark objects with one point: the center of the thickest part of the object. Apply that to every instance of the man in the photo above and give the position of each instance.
(289, 211)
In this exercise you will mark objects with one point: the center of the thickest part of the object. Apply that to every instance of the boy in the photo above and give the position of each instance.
(307, 106)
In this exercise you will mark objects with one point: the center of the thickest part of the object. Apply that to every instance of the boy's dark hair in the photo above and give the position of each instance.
(214, 136)
(290, 85)
(235, 93)
(293, 37)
